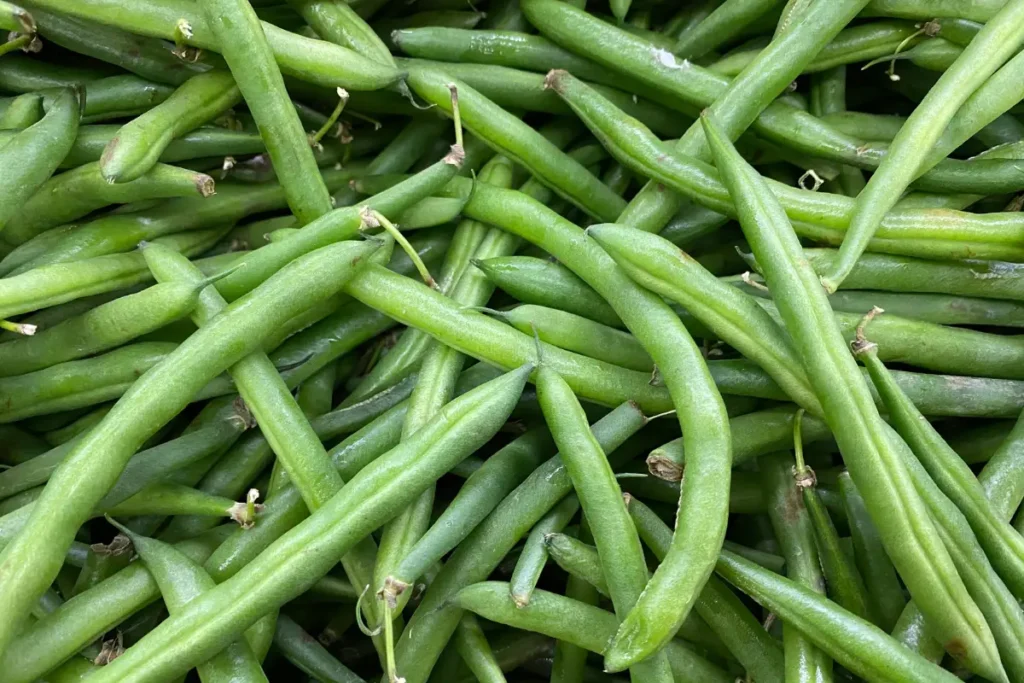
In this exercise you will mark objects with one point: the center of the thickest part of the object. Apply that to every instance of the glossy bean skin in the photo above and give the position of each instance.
(139, 143)
(314, 60)
(986, 53)
(576, 622)
(534, 556)
(34, 153)
(724, 23)
(244, 45)
(377, 492)
(1000, 478)
(853, 642)
(181, 580)
(868, 450)
(80, 191)
(22, 112)
(104, 327)
(237, 331)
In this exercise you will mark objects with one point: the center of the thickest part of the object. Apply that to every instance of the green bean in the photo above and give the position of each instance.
(340, 24)
(744, 100)
(200, 143)
(14, 18)
(661, 267)
(174, 499)
(139, 143)
(243, 43)
(851, 45)
(471, 644)
(576, 622)
(744, 637)
(210, 621)
(308, 655)
(841, 576)
(884, 590)
(1000, 478)
(535, 281)
(569, 660)
(34, 153)
(22, 112)
(511, 137)
(75, 193)
(906, 528)
(336, 225)
(181, 580)
(578, 334)
(237, 331)
(795, 535)
(534, 555)
(161, 459)
(104, 327)
(854, 643)
(577, 558)
(1002, 543)
(995, 43)
(477, 556)
(406, 355)
(145, 57)
(817, 215)
(723, 24)
(281, 421)
(438, 375)
(314, 60)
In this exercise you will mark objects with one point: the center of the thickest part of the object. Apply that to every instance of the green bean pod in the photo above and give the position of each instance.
(995, 43)
(511, 137)
(727, 617)
(1001, 479)
(82, 190)
(883, 586)
(139, 143)
(1003, 545)
(313, 60)
(146, 57)
(723, 24)
(212, 620)
(201, 143)
(794, 533)
(536, 281)
(909, 535)
(578, 334)
(34, 153)
(181, 580)
(342, 25)
(856, 644)
(534, 555)
(14, 18)
(22, 112)
(248, 53)
(308, 655)
(104, 327)
(576, 622)
(144, 409)
(472, 645)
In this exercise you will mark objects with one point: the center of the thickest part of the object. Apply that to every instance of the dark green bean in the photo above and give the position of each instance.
(534, 555)
(308, 655)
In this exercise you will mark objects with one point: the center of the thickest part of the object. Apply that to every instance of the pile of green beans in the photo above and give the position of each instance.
(511, 340)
